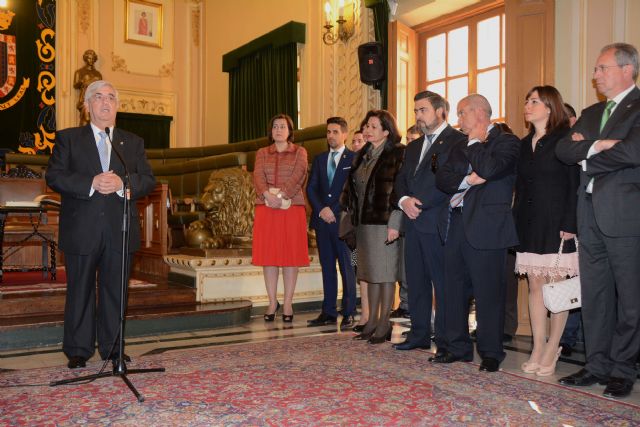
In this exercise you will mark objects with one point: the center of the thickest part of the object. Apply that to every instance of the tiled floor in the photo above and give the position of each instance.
(258, 330)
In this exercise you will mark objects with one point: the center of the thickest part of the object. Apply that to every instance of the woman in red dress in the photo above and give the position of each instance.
(280, 223)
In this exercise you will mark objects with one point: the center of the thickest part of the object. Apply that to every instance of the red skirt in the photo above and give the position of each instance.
(280, 237)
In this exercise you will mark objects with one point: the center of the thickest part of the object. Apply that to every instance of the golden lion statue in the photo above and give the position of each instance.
(228, 200)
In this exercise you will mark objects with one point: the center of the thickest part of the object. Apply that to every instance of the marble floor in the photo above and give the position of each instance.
(257, 330)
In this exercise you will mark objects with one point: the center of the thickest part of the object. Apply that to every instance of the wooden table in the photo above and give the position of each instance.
(31, 230)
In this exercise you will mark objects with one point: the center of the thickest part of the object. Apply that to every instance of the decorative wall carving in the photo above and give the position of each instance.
(166, 70)
(118, 63)
(84, 13)
(348, 96)
(195, 25)
(146, 102)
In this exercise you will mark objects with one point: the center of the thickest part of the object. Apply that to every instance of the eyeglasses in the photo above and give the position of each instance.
(99, 97)
(434, 162)
(603, 68)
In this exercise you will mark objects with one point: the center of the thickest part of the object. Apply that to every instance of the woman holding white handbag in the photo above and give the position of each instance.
(545, 212)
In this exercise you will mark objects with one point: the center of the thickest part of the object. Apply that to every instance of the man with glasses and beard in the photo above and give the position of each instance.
(422, 203)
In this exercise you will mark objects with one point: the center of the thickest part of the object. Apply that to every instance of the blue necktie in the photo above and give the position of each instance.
(331, 168)
(103, 151)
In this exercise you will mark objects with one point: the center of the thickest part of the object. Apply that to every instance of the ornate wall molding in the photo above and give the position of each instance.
(118, 63)
(166, 70)
(141, 102)
(84, 14)
(195, 25)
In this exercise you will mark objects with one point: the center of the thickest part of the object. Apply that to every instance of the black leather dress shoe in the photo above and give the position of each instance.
(411, 346)
(363, 336)
(489, 364)
(76, 362)
(567, 350)
(346, 322)
(321, 320)
(446, 357)
(358, 328)
(618, 388)
(114, 356)
(377, 340)
(439, 353)
(582, 378)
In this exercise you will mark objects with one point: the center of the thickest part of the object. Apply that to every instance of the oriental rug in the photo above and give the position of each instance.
(313, 381)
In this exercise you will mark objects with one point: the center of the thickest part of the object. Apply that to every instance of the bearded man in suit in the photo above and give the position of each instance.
(421, 201)
(86, 170)
(606, 142)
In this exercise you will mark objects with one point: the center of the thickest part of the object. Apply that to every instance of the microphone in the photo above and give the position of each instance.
(113, 149)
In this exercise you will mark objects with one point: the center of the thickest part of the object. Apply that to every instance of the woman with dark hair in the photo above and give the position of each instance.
(280, 223)
(367, 196)
(545, 212)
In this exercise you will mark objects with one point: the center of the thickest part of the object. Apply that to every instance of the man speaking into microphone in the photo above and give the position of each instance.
(87, 169)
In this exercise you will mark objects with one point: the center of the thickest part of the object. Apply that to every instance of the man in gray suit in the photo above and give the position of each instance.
(606, 142)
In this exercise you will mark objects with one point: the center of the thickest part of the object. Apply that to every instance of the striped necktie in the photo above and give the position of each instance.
(103, 150)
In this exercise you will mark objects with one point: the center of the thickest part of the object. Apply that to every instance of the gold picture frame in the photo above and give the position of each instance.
(143, 23)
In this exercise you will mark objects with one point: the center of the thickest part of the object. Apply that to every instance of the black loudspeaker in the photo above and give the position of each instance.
(372, 64)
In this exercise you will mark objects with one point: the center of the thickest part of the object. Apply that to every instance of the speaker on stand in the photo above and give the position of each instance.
(372, 64)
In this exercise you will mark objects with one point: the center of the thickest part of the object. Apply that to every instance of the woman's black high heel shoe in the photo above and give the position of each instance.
(272, 317)
(287, 318)
(358, 328)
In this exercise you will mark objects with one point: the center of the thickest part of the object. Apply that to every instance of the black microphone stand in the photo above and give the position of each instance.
(119, 366)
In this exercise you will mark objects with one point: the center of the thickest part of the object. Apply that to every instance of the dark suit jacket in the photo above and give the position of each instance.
(318, 190)
(487, 217)
(72, 166)
(545, 199)
(616, 189)
(421, 183)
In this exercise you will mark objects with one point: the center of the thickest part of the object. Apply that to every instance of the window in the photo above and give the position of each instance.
(465, 57)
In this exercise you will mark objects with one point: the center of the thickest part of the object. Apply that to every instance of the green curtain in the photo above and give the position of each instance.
(262, 85)
(154, 129)
(380, 10)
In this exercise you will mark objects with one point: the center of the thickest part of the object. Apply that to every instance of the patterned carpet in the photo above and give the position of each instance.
(314, 381)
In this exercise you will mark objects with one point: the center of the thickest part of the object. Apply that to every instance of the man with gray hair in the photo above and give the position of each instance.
(87, 171)
(477, 227)
(606, 142)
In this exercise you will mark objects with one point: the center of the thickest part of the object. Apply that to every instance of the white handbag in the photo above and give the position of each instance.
(564, 295)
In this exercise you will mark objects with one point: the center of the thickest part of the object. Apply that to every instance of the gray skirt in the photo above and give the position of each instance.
(377, 262)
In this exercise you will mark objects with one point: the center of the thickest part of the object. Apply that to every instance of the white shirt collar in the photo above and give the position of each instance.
(439, 130)
(619, 97)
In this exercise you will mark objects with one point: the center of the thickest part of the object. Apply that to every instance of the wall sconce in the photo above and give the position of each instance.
(345, 26)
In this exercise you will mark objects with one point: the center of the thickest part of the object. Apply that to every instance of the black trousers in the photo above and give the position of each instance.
(480, 271)
(610, 281)
(103, 265)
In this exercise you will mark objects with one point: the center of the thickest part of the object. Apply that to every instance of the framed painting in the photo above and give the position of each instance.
(143, 23)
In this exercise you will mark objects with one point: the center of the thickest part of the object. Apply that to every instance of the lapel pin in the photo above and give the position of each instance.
(121, 142)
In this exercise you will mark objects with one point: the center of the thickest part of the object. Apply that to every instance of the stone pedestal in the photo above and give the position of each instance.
(228, 275)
